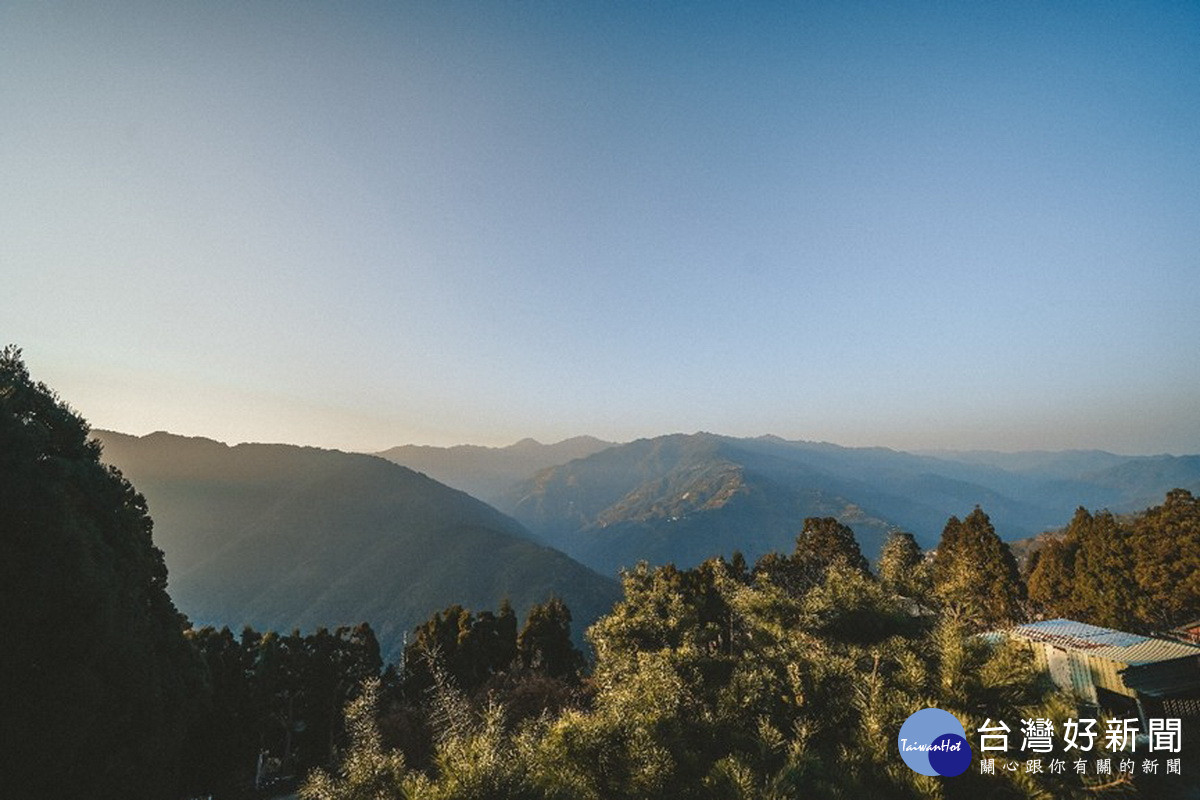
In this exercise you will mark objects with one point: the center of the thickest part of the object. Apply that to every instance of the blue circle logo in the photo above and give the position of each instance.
(933, 742)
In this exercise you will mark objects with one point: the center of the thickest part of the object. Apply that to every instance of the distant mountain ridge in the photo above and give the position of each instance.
(688, 497)
(1045, 463)
(1120, 483)
(676, 498)
(279, 536)
(684, 498)
(489, 472)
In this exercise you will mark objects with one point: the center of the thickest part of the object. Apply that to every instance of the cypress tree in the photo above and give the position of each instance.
(1051, 581)
(902, 567)
(975, 572)
(1166, 546)
(824, 542)
(544, 644)
(1104, 593)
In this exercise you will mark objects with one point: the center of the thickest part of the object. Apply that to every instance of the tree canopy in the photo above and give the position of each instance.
(1138, 572)
(711, 683)
(902, 568)
(97, 674)
(975, 574)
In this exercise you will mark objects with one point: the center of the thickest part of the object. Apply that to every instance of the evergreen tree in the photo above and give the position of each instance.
(1051, 582)
(823, 543)
(902, 567)
(222, 746)
(487, 647)
(1166, 545)
(437, 638)
(544, 644)
(276, 674)
(97, 675)
(1104, 593)
(368, 771)
(975, 573)
(664, 607)
(1140, 573)
(471, 648)
(331, 667)
(806, 704)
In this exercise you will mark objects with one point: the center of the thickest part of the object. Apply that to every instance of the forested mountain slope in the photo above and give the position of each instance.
(278, 536)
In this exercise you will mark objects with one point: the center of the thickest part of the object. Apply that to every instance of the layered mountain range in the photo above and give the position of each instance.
(282, 537)
(684, 498)
(489, 473)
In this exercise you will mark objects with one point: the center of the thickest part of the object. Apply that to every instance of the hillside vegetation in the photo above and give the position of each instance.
(684, 498)
(786, 680)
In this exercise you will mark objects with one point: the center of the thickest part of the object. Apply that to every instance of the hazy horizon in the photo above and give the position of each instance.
(933, 451)
(373, 224)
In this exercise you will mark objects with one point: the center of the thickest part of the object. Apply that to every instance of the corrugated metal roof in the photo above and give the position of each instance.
(1119, 646)
(1151, 651)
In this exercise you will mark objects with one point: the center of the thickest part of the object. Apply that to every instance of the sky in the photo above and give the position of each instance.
(358, 225)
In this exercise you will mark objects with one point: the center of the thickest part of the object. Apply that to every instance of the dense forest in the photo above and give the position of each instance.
(785, 678)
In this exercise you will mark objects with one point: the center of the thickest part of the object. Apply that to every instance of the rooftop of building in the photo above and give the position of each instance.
(1119, 646)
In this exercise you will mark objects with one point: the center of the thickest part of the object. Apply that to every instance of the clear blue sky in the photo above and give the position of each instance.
(365, 224)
